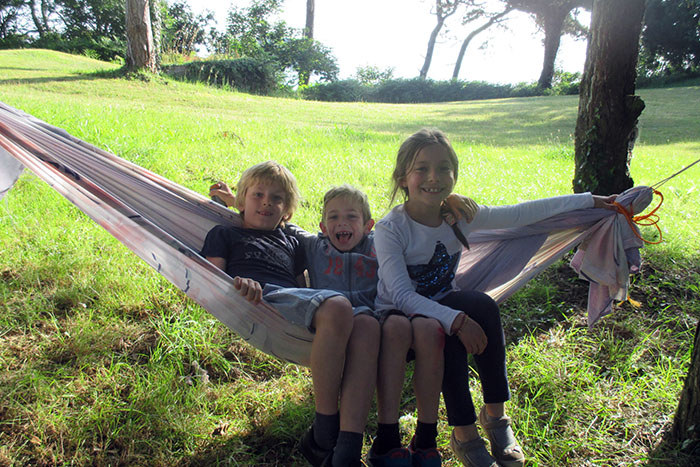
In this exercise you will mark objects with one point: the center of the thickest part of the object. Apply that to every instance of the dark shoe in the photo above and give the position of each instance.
(472, 453)
(424, 457)
(504, 446)
(311, 451)
(397, 457)
(328, 462)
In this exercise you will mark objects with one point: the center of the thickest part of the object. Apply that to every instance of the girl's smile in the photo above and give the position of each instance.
(429, 181)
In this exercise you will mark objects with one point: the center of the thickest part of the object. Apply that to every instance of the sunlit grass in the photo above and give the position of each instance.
(102, 361)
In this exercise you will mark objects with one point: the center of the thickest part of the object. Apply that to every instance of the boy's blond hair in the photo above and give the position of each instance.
(350, 193)
(266, 173)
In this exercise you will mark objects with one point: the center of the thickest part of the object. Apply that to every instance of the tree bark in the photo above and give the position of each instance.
(553, 26)
(472, 35)
(443, 9)
(310, 12)
(140, 53)
(686, 424)
(608, 109)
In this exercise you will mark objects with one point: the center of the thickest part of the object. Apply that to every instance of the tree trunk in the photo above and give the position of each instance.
(310, 11)
(553, 26)
(472, 35)
(686, 424)
(140, 52)
(608, 109)
(431, 47)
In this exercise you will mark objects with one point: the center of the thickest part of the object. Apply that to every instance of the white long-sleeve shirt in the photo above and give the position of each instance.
(417, 263)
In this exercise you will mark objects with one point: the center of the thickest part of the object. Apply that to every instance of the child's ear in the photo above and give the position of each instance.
(402, 182)
(368, 226)
(324, 230)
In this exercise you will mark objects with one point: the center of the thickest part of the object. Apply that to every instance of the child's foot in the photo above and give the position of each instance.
(472, 453)
(424, 457)
(397, 457)
(504, 446)
(311, 451)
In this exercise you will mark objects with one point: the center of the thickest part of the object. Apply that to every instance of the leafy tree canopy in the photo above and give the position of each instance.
(671, 36)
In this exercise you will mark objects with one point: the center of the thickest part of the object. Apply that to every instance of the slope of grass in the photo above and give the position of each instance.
(103, 362)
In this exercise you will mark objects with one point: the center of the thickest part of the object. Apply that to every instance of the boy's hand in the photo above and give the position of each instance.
(604, 202)
(471, 335)
(223, 191)
(250, 289)
(456, 207)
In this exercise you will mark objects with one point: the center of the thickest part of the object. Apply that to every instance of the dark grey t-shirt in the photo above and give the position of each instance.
(266, 256)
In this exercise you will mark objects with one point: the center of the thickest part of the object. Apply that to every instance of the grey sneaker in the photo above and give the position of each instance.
(472, 453)
(504, 446)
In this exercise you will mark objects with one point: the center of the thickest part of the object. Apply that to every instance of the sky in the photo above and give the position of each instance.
(394, 34)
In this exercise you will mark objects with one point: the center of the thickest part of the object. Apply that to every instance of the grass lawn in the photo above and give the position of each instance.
(101, 360)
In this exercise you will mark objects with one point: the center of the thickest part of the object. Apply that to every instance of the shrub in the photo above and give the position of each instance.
(242, 74)
(348, 90)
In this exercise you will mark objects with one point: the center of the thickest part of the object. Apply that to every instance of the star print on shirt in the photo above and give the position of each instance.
(435, 277)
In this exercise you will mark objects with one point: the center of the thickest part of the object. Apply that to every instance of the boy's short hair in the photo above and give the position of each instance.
(350, 193)
(269, 172)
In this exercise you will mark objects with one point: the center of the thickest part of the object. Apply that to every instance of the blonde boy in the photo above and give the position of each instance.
(266, 262)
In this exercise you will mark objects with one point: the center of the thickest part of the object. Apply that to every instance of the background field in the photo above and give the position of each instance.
(100, 357)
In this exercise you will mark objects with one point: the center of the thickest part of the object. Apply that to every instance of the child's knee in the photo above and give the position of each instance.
(366, 332)
(397, 329)
(335, 315)
(428, 335)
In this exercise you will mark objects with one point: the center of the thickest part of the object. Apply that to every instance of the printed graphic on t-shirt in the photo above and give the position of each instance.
(435, 277)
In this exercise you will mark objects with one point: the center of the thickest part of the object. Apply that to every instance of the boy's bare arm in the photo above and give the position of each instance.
(223, 191)
(217, 261)
(250, 289)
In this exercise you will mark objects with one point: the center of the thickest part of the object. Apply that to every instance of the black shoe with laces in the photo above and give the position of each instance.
(311, 451)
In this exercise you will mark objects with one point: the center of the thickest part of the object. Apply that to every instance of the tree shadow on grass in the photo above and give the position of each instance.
(77, 76)
(272, 442)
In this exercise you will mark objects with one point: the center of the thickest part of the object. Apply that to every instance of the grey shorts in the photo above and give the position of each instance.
(299, 305)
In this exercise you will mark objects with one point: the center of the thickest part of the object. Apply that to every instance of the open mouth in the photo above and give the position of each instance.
(432, 190)
(343, 237)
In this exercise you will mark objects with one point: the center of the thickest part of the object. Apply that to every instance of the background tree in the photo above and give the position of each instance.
(310, 14)
(10, 30)
(554, 17)
(671, 37)
(183, 31)
(443, 10)
(140, 51)
(477, 10)
(252, 32)
(608, 109)
(40, 10)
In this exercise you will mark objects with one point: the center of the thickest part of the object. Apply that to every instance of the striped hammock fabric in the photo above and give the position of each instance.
(165, 225)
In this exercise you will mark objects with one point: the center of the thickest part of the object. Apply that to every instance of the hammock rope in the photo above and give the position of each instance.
(646, 220)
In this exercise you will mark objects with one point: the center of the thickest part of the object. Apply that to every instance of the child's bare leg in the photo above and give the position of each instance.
(360, 375)
(396, 340)
(428, 343)
(333, 323)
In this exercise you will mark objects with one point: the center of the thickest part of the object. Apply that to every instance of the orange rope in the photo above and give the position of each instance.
(646, 220)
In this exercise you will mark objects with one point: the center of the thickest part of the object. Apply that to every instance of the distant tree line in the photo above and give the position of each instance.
(670, 43)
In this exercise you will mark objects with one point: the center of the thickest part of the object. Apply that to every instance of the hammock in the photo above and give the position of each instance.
(165, 225)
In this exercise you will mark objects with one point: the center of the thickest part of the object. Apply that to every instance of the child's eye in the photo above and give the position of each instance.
(420, 169)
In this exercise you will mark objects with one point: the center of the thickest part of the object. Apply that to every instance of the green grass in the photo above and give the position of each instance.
(100, 357)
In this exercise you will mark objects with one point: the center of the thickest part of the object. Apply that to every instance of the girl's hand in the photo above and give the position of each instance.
(250, 289)
(604, 202)
(456, 207)
(223, 191)
(472, 336)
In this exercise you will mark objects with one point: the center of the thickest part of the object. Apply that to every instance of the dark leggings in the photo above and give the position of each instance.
(491, 364)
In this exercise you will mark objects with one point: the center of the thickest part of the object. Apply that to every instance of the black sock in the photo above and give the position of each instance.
(426, 433)
(348, 449)
(326, 429)
(388, 438)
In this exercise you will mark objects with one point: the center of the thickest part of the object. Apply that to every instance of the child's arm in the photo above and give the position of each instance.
(456, 207)
(223, 192)
(250, 289)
